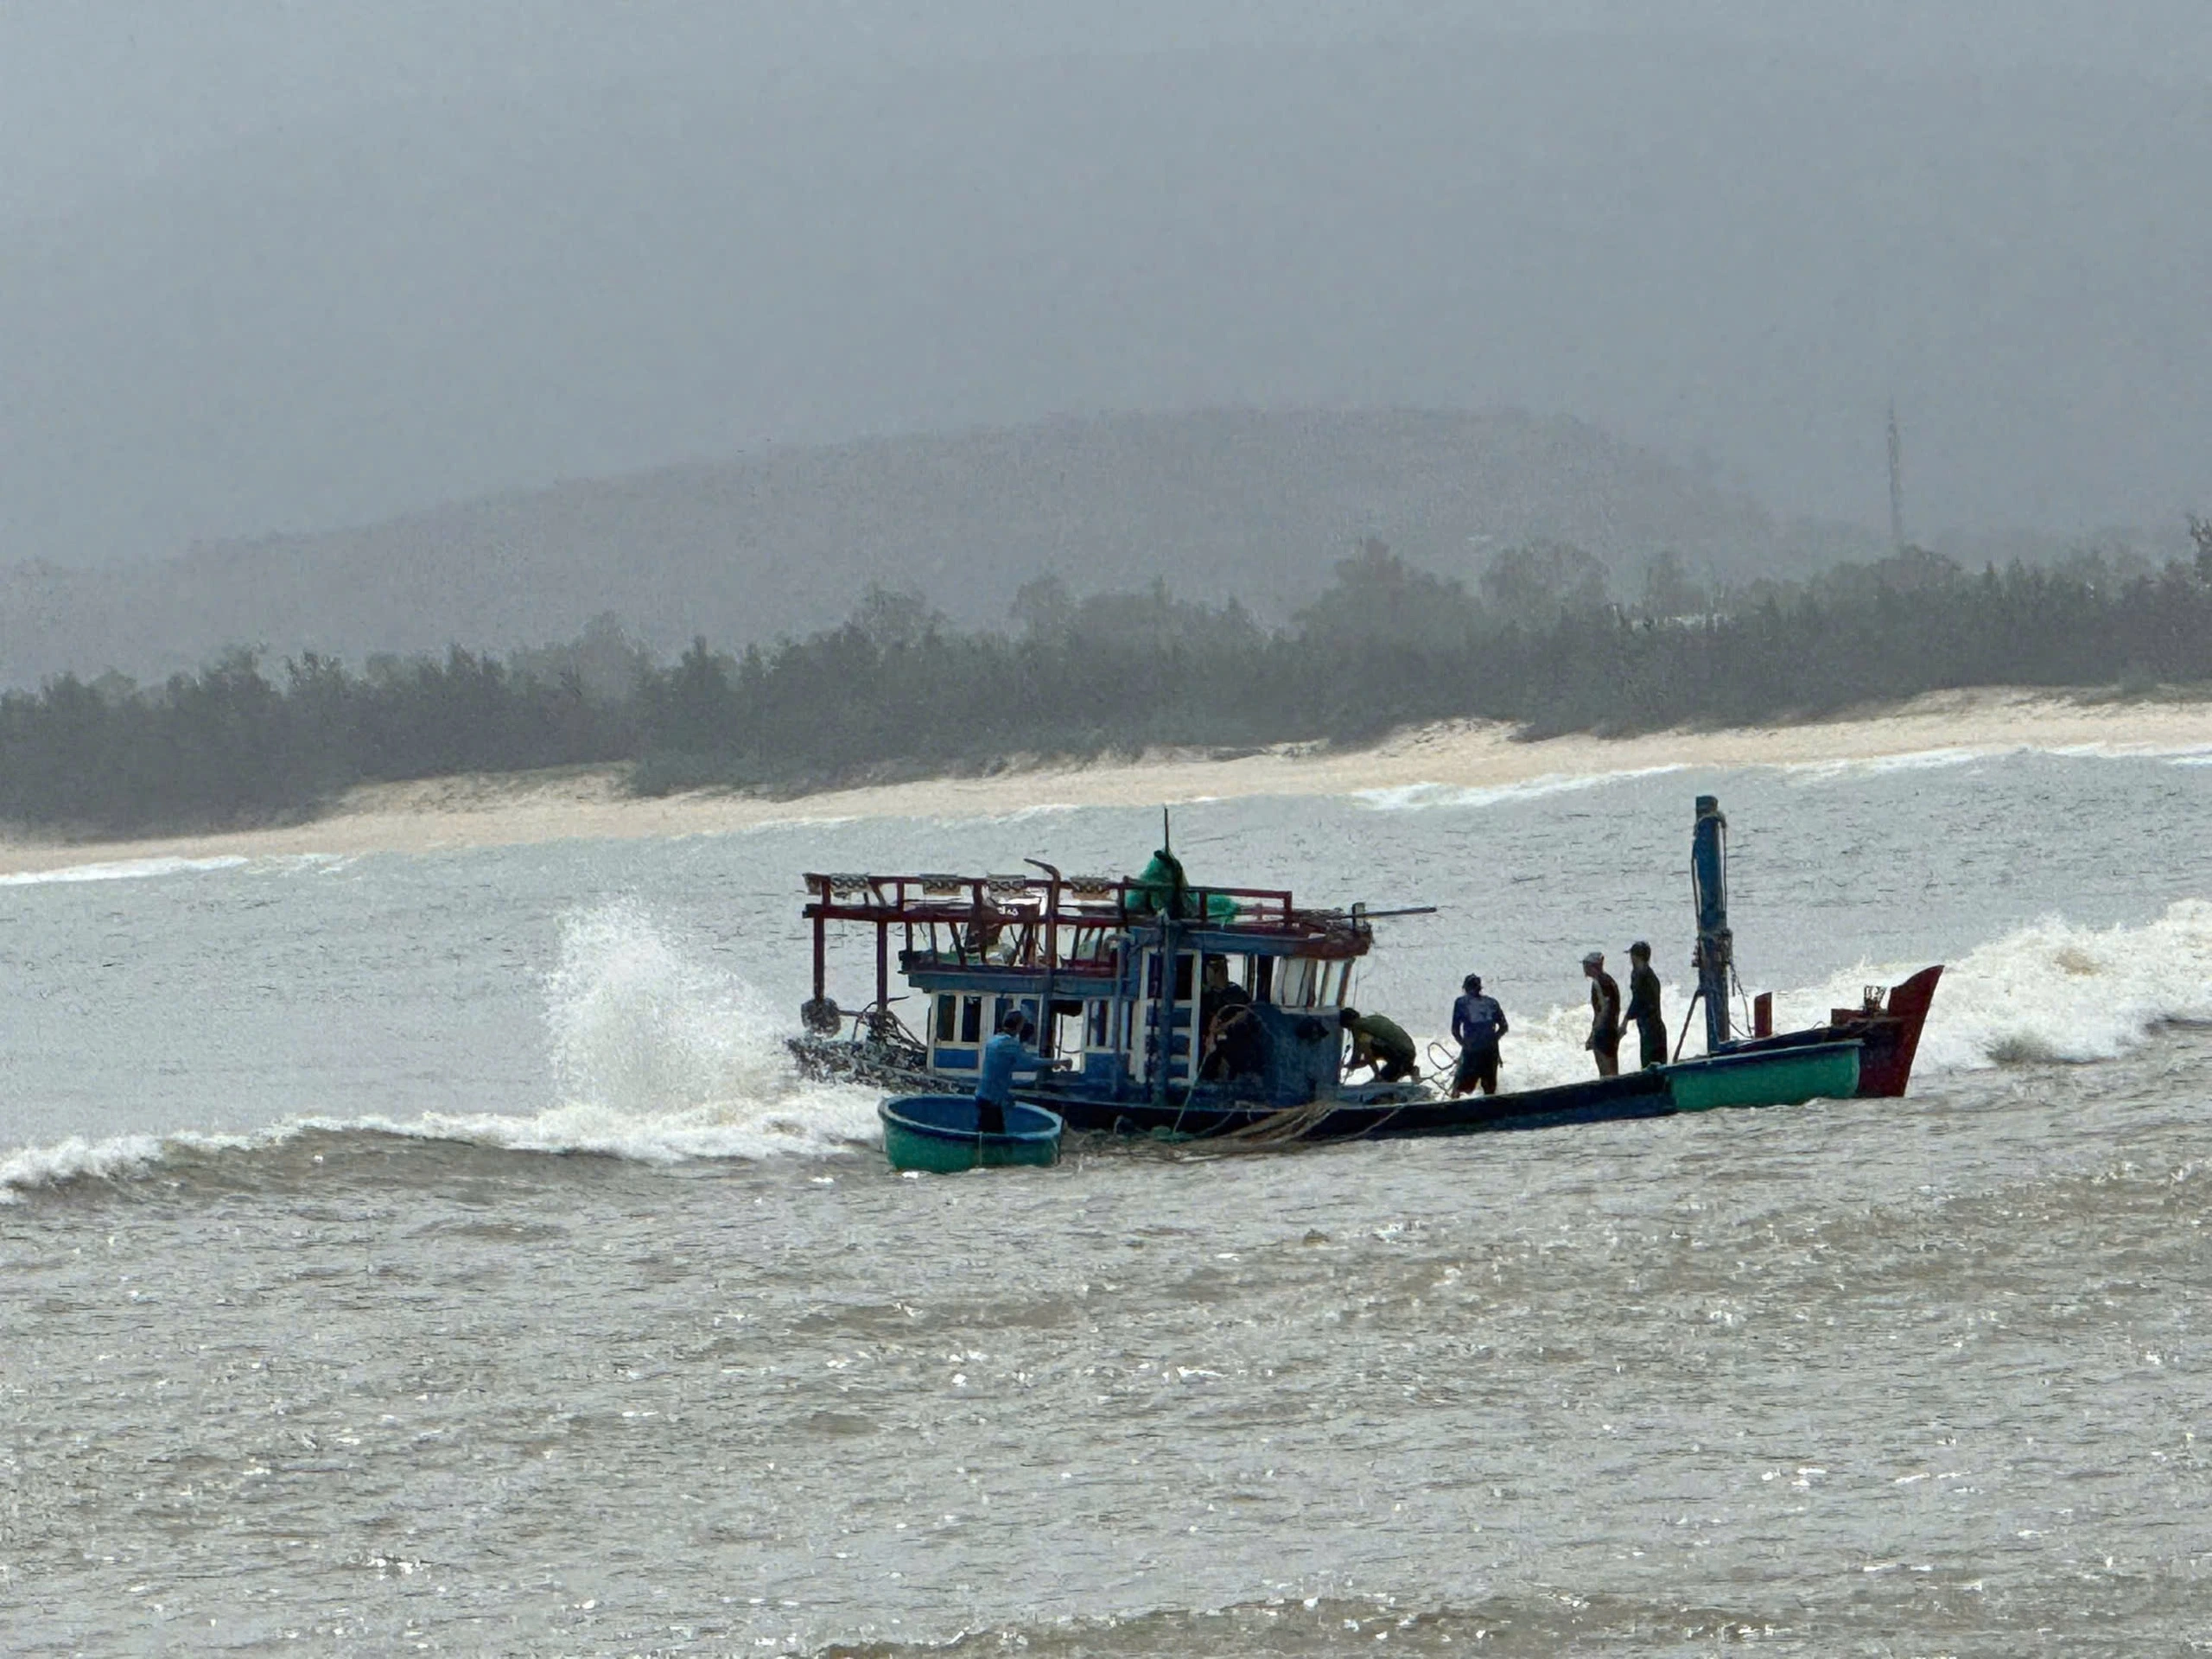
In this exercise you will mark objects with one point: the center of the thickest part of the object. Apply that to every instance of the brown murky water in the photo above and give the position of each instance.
(1928, 1377)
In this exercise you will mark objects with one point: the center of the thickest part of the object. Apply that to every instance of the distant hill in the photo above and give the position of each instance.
(1216, 503)
(1746, 249)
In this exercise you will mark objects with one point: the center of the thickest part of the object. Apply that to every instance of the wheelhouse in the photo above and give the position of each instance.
(1113, 971)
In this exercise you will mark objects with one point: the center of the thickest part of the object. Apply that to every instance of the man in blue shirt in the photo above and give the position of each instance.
(1004, 1056)
(1477, 1024)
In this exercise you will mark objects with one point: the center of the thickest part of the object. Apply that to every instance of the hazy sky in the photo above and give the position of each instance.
(287, 264)
(94, 92)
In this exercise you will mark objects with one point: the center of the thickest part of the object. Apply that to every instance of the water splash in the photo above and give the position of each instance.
(657, 1053)
(657, 1056)
(2051, 992)
(634, 1025)
(2048, 994)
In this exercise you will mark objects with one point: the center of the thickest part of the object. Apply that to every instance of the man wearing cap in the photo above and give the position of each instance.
(1644, 1008)
(1605, 1044)
(1477, 1022)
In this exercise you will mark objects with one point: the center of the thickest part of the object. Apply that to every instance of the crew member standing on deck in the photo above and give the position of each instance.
(1477, 1024)
(1643, 1010)
(1605, 1044)
(1004, 1056)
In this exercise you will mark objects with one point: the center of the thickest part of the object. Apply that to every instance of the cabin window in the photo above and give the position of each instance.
(1186, 973)
(1097, 1027)
(948, 1016)
(1264, 991)
(1297, 984)
(971, 1018)
(1067, 1025)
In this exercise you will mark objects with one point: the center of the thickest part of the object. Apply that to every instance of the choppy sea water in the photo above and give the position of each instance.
(436, 1254)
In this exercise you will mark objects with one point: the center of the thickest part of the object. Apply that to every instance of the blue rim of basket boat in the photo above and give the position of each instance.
(1047, 1126)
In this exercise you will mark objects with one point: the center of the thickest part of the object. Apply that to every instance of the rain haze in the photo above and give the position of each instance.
(1267, 828)
(276, 270)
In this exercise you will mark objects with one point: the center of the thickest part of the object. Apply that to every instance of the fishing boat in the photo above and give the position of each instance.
(1125, 980)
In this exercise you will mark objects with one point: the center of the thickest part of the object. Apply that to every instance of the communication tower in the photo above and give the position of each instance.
(1896, 482)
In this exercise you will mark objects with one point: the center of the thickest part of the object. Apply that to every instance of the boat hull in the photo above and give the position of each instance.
(1781, 1077)
(938, 1134)
(1386, 1114)
(1888, 1030)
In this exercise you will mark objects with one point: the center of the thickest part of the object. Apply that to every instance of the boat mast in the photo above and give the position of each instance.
(1714, 957)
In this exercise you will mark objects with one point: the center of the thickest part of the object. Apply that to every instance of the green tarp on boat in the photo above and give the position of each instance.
(1162, 889)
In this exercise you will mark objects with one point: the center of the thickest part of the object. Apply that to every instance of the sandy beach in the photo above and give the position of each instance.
(500, 811)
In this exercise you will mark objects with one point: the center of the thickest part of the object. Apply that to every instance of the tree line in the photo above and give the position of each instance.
(1537, 640)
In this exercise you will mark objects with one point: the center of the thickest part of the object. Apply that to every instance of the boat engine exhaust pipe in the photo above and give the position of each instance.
(1715, 954)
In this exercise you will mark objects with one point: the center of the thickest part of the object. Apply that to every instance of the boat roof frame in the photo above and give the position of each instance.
(1266, 914)
(1269, 922)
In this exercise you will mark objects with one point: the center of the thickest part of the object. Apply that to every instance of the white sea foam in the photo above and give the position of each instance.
(1414, 798)
(2051, 992)
(77, 1158)
(136, 869)
(657, 1056)
(661, 1058)
(1822, 771)
(119, 1158)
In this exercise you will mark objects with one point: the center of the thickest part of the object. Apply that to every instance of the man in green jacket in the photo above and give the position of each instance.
(1379, 1042)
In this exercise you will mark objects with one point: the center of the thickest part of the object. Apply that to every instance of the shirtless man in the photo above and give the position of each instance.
(1605, 1044)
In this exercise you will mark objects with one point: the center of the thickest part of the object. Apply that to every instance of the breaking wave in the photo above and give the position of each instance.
(135, 869)
(118, 1157)
(1826, 772)
(1414, 798)
(659, 1057)
(2052, 993)
(655, 1056)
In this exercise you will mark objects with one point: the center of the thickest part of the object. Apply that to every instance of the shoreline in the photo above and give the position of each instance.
(447, 813)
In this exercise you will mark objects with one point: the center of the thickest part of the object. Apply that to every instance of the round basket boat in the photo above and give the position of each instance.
(939, 1133)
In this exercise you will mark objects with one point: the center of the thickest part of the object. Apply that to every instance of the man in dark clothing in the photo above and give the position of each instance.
(1643, 1007)
(1605, 1044)
(1217, 995)
(1477, 1024)
(1379, 1042)
(1236, 1046)
(1230, 1041)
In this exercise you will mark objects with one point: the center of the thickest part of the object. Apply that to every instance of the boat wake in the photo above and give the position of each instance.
(659, 1057)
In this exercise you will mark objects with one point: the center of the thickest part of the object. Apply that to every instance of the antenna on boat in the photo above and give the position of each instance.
(1166, 840)
(1896, 482)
